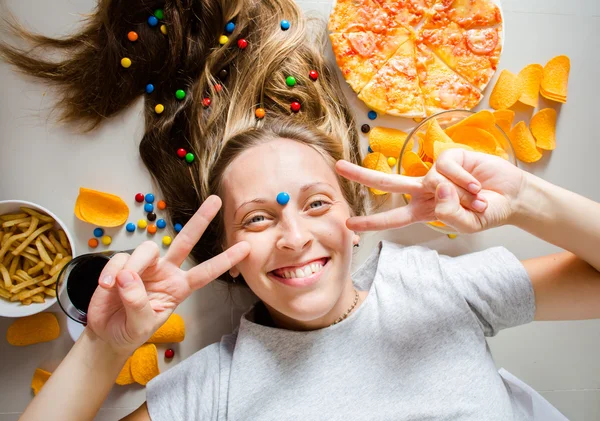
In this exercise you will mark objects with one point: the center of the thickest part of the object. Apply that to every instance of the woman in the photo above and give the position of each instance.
(401, 338)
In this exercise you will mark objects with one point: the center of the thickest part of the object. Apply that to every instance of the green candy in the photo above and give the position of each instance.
(180, 94)
(189, 157)
(290, 81)
(159, 14)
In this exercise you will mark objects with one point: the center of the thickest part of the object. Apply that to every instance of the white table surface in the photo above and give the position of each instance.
(46, 163)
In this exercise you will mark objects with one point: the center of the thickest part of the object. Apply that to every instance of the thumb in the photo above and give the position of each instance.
(449, 210)
(140, 315)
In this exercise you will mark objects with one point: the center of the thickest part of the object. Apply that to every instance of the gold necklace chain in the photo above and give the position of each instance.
(342, 317)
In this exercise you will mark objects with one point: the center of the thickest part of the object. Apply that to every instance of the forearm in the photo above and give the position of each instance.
(77, 388)
(560, 217)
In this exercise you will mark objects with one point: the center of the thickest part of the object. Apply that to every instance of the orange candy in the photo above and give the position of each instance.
(161, 205)
(152, 229)
(260, 113)
(132, 36)
(93, 243)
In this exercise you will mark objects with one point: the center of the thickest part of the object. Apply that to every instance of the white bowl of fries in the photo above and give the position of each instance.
(34, 246)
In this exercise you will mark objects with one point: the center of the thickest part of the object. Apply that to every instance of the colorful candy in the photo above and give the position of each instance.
(159, 108)
(285, 25)
(370, 150)
(392, 161)
(290, 81)
(139, 197)
(283, 198)
(206, 102)
(295, 106)
(151, 216)
(218, 87)
(169, 353)
(148, 207)
(162, 205)
(242, 43)
(159, 14)
(365, 128)
(189, 157)
(181, 153)
(161, 223)
(142, 224)
(106, 240)
(452, 236)
(152, 21)
(229, 27)
(223, 73)
(130, 227)
(152, 229)
(93, 243)
(260, 113)
(126, 62)
(372, 115)
(178, 227)
(149, 88)
(180, 94)
(223, 39)
(314, 75)
(163, 29)
(132, 36)
(98, 232)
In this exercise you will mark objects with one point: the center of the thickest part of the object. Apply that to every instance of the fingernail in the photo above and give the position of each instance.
(125, 278)
(474, 188)
(479, 206)
(107, 280)
(444, 191)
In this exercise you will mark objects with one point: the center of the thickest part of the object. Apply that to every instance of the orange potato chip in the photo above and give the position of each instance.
(41, 327)
(144, 364)
(387, 141)
(555, 81)
(434, 134)
(483, 119)
(409, 159)
(429, 164)
(39, 379)
(524, 143)
(478, 139)
(543, 128)
(125, 377)
(501, 142)
(439, 147)
(102, 209)
(531, 78)
(504, 119)
(506, 92)
(173, 330)
(417, 170)
(377, 161)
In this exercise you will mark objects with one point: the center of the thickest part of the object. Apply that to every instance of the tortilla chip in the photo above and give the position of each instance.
(41, 327)
(478, 139)
(173, 330)
(483, 119)
(144, 364)
(439, 147)
(39, 379)
(125, 377)
(506, 92)
(434, 134)
(524, 143)
(543, 128)
(377, 161)
(531, 78)
(101, 209)
(555, 81)
(387, 141)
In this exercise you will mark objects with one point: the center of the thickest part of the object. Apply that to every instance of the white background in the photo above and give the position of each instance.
(46, 163)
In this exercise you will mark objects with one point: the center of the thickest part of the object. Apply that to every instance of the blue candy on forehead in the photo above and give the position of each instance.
(283, 198)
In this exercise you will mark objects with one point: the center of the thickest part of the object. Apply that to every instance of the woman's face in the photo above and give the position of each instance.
(307, 232)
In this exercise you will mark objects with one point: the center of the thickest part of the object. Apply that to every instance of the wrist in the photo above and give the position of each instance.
(99, 350)
(530, 203)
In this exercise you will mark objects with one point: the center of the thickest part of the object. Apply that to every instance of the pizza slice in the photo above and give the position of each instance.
(472, 53)
(443, 89)
(358, 16)
(359, 55)
(395, 88)
(466, 13)
(406, 12)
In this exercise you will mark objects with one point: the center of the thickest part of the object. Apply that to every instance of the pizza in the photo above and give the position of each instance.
(414, 58)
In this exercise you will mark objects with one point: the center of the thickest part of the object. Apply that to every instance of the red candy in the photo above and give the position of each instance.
(295, 106)
(218, 87)
(313, 75)
(169, 353)
(180, 153)
(206, 102)
(139, 197)
(242, 43)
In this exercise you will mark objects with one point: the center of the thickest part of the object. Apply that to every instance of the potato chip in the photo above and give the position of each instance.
(102, 209)
(524, 143)
(478, 139)
(173, 330)
(506, 92)
(125, 377)
(531, 78)
(144, 364)
(434, 134)
(39, 379)
(387, 141)
(377, 161)
(483, 119)
(409, 159)
(555, 81)
(417, 170)
(439, 147)
(543, 128)
(504, 119)
(41, 327)
(413, 165)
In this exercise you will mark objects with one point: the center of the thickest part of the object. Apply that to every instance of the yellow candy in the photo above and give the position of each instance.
(159, 108)
(163, 29)
(223, 39)
(142, 224)
(125, 62)
(106, 240)
(452, 236)
(167, 240)
(391, 161)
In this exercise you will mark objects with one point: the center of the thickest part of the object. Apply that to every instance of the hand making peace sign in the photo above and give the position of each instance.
(144, 289)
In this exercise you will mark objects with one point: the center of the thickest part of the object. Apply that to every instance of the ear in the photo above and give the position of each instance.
(356, 239)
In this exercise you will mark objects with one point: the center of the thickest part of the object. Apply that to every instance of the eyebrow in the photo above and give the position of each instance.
(302, 190)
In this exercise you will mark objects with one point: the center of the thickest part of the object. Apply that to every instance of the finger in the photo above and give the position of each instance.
(140, 315)
(468, 200)
(392, 183)
(450, 165)
(144, 256)
(449, 210)
(206, 272)
(395, 218)
(192, 231)
(107, 278)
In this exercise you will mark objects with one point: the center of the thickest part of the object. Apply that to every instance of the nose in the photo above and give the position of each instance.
(295, 234)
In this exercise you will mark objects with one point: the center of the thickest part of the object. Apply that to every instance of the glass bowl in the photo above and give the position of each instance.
(414, 142)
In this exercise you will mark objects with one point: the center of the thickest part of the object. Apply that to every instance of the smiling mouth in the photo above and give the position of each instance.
(300, 272)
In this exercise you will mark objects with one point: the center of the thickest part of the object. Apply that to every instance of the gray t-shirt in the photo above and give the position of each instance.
(414, 350)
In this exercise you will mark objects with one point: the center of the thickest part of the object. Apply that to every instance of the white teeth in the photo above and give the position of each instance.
(288, 274)
(303, 271)
(299, 273)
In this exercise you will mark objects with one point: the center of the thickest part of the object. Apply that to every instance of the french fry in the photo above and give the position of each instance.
(58, 267)
(42, 251)
(46, 269)
(14, 222)
(14, 238)
(38, 298)
(26, 281)
(48, 243)
(5, 238)
(26, 265)
(8, 260)
(13, 265)
(31, 257)
(32, 237)
(5, 277)
(62, 237)
(5, 294)
(44, 218)
(50, 292)
(59, 248)
(27, 301)
(57, 259)
(11, 216)
(35, 269)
